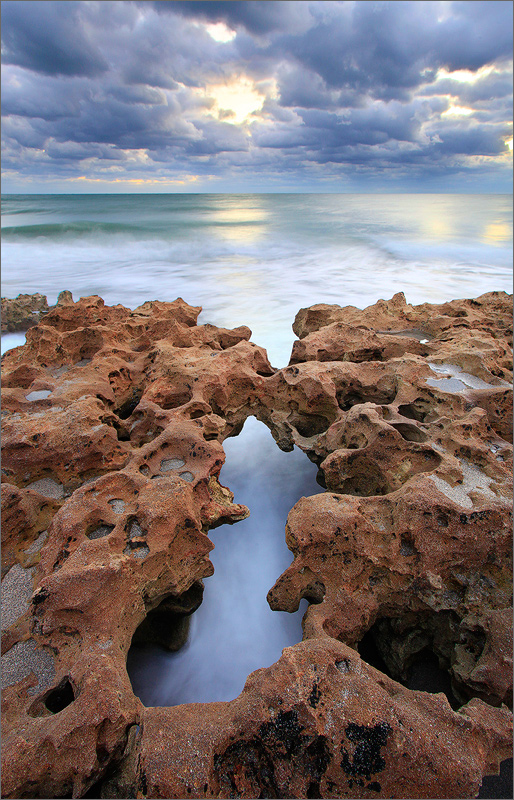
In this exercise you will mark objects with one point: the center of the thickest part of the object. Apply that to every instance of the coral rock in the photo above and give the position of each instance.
(113, 429)
(22, 312)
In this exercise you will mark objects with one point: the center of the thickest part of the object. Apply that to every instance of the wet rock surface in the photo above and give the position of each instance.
(113, 429)
(22, 312)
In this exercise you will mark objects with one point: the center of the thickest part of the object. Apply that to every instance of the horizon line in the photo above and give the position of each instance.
(144, 194)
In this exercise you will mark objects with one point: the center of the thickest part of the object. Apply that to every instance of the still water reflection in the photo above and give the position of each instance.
(234, 631)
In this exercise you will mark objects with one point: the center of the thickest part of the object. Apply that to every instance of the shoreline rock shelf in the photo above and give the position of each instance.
(113, 428)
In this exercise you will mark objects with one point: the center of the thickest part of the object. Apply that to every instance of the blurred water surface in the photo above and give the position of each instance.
(256, 259)
(234, 632)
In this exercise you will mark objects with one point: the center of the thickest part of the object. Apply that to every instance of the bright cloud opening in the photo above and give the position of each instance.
(236, 100)
(464, 75)
(220, 32)
(457, 111)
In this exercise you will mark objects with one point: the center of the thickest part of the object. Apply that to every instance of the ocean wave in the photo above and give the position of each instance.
(257, 259)
(69, 230)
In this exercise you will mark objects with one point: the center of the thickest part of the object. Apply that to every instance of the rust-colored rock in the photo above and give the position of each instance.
(113, 429)
(22, 312)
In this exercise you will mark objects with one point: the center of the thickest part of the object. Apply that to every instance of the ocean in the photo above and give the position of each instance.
(256, 259)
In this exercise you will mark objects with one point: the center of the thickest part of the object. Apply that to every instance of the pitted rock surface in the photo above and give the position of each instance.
(22, 312)
(113, 429)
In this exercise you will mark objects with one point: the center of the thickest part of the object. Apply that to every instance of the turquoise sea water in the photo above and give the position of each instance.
(256, 259)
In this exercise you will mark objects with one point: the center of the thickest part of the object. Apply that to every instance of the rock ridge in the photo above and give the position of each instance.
(113, 426)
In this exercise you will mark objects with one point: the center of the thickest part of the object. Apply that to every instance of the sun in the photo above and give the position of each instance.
(220, 32)
(235, 100)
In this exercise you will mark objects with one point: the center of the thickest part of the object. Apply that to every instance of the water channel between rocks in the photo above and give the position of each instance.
(234, 631)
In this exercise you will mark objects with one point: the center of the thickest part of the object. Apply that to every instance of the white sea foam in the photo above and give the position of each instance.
(257, 259)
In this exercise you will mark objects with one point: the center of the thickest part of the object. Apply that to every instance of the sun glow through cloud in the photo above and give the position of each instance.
(279, 96)
(464, 75)
(220, 32)
(457, 111)
(236, 100)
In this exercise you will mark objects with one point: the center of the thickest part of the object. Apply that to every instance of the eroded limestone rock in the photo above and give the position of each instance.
(22, 312)
(113, 429)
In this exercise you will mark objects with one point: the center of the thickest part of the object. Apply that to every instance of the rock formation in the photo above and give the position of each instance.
(113, 428)
(22, 312)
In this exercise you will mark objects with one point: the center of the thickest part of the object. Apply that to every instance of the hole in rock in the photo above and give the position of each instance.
(499, 786)
(94, 343)
(197, 413)
(176, 400)
(134, 529)
(309, 424)
(417, 650)
(234, 631)
(171, 463)
(117, 505)
(418, 410)
(187, 476)
(167, 625)
(142, 433)
(426, 675)
(365, 479)
(381, 394)
(60, 697)
(128, 407)
(137, 549)
(100, 531)
(409, 432)
(357, 441)
(40, 395)
(121, 432)
(413, 333)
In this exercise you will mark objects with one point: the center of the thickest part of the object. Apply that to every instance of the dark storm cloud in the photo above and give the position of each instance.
(256, 17)
(92, 87)
(306, 89)
(386, 49)
(49, 38)
(32, 95)
(20, 132)
(168, 50)
(486, 89)
(376, 124)
(469, 140)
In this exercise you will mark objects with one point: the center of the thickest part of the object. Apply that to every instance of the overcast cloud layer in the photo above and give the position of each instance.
(257, 96)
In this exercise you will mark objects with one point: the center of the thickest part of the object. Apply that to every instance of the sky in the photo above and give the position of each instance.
(320, 96)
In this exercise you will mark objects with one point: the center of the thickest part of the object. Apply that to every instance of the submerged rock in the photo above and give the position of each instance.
(113, 429)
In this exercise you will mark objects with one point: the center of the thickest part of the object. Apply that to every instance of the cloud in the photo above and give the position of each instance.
(144, 87)
(255, 17)
(32, 95)
(49, 37)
